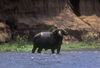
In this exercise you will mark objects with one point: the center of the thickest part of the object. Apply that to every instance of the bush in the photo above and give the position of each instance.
(21, 41)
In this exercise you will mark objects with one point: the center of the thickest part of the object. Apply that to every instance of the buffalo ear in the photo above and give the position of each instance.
(53, 29)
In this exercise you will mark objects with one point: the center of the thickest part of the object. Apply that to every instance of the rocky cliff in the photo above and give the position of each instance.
(28, 17)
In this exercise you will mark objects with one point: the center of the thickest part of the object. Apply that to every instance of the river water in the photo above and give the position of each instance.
(66, 59)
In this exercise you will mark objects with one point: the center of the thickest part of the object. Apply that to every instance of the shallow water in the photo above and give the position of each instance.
(66, 59)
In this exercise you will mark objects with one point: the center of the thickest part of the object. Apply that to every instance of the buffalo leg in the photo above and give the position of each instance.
(53, 51)
(33, 50)
(39, 50)
(58, 50)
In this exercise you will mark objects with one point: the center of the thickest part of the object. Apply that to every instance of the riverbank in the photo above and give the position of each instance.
(5, 47)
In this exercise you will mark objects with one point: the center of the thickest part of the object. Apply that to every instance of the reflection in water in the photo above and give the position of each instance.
(66, 59)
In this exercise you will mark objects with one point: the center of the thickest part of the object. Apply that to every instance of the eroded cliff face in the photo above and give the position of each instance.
(89, 7)
(85, 7)
(34, 8)
(29, 17)
(24, 17)
(5, 33)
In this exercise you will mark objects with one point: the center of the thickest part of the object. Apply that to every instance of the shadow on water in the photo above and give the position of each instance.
(66, 59)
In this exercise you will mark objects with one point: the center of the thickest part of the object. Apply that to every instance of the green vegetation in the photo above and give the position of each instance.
(28, 47)
(14, 47)
(81, 45)
(19, 45)
(21, 41)
(22, 45)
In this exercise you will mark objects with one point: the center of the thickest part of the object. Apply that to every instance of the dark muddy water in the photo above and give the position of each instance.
(66, 59)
